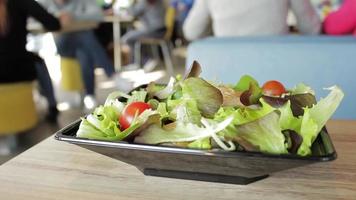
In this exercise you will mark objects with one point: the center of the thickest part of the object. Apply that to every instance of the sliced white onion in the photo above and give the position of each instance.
(213, 130)
(168, 90)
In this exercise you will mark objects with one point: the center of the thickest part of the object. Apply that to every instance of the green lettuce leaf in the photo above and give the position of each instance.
(162, 109)
(301, 88)
(104, 118)
(252, 95)
(244, 83)
(263, 134)
(112, 100)
(137, 95)
(224, 112)
(152, 88)
(315, 118)
(241, 116)
(194, 70)
(244, 114)
(186, 132)
(167, 91)
(312, 121)
(248, 114)
(209, 98)
(102, 124)
(309, 131)
(154, 103)
(287, 120)
(87, 130)
(325, 108)
(188, 112)
(301, 101)
(184, 110)
(155, 134)
(203, 143)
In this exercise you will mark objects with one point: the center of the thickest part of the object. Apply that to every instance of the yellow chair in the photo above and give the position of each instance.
(164, 43)
(17, 108)
(71, 75)
(169, 22)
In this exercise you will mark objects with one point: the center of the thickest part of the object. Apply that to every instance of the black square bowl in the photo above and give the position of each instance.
(213, 165)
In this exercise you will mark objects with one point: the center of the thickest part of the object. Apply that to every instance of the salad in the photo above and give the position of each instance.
(191, 112)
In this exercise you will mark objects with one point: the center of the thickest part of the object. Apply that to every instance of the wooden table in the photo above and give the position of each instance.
(37, 28)
(116, 22)
(57, 170)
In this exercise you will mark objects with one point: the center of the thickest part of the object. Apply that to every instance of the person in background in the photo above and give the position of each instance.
(342, 21)
(245, 18)
(182, 8)
(151, 14)
(104, 32)
(83, 45)
(16, 63)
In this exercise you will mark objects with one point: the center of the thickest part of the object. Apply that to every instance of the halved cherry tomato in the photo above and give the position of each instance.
(273, 88)
(129, 113)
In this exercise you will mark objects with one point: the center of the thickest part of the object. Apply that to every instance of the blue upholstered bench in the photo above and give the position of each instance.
(317, 61)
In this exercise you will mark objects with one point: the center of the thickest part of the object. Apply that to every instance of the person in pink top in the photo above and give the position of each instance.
(342, 21)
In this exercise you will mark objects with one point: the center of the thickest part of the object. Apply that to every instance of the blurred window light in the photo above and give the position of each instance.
(119, 4)
(139, 77)
(63, 106)
(44, 45)
(107, 84)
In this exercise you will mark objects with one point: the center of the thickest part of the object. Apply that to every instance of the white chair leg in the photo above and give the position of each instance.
(81, 96)
(167, 58)
(171, 48)
(137, 53)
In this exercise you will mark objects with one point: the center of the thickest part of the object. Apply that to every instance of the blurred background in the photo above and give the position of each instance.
(61, 58)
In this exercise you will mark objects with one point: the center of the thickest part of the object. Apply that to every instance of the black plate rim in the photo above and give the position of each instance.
(176, 150)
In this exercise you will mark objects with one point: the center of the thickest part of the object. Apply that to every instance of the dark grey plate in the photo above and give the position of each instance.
(214, 166)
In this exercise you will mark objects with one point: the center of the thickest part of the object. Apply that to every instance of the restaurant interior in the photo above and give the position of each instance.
(61, 59)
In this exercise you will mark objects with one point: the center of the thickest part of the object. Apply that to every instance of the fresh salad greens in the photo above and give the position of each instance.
(191, 112)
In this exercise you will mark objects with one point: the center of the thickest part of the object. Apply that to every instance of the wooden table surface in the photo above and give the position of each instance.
(36, 28)
(57, 170)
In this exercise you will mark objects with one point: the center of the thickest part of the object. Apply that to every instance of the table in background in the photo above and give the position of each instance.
(57, 170)
(36, 28)
(116, 21)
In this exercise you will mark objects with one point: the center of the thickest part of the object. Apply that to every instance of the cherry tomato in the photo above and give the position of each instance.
(273, 88)
(130, 111)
